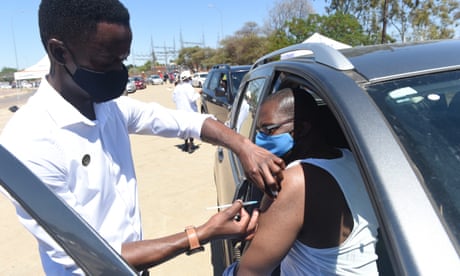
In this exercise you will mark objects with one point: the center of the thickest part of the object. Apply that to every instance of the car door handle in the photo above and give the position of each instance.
(220, 154)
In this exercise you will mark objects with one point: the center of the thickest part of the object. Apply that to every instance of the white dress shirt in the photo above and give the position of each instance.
(88, 163)
(185, 97)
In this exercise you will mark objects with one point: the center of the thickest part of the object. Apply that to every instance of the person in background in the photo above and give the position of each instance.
(165, 77)
(74, 135)
(322, 221)
(185, 97)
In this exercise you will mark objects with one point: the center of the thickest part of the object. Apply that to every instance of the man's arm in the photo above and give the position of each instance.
(260, 166)
(147, 253)
(283, 215)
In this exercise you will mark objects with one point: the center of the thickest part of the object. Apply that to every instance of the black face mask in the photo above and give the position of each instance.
(101, 86)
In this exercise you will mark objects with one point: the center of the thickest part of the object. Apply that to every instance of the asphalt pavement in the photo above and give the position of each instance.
(175, 188)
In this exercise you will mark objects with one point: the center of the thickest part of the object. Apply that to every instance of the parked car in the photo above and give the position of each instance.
(397, 108)
(139, 82)
(155, 79)
(220, 88)
(5, 85)
(26, 84)
(130, 87)
(80, 241)
(198, 79)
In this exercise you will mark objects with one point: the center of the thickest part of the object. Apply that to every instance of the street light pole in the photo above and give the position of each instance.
(14, 44)
(212, 6)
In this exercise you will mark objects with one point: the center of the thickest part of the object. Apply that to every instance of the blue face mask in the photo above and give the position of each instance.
(278, 144)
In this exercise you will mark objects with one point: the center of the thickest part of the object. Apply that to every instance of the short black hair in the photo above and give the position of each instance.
(285, 100)
(74, 21)
(306, 108)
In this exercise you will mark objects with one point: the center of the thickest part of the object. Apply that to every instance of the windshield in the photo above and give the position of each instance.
(236, 81)
(424, 112)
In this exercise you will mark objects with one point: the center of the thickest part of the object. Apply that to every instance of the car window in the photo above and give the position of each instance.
(236, 81)
(248, 105)
(214, 81)
(424, 112)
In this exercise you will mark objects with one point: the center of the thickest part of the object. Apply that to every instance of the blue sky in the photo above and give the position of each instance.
(157, 23)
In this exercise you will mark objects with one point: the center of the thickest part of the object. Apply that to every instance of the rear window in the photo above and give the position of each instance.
(237, 77)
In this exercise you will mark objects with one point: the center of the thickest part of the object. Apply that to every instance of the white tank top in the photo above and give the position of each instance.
(356, 255)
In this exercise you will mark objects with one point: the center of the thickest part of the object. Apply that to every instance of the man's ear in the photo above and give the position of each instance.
(57, 51)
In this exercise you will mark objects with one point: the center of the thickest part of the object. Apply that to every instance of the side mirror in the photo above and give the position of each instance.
(220, 92)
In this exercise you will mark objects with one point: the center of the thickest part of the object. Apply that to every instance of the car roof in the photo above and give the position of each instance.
(232, 68)
(377, 62)
(418, 57)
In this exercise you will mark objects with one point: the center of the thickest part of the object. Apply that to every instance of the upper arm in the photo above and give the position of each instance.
(278, 226)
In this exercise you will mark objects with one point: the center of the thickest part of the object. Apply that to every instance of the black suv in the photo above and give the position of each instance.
(220, 88)
(396, 107)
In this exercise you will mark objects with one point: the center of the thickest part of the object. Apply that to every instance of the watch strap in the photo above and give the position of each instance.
(193, 240)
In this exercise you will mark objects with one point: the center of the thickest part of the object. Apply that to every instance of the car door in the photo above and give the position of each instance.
(80, 241)
(215, 99)
(228, 172)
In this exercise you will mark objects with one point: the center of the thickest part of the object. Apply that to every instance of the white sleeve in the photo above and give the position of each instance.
(154, 119)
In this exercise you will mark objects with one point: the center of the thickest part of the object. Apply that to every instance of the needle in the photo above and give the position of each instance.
(247, 203)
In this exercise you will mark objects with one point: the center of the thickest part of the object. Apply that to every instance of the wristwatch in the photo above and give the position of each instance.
(193, 241)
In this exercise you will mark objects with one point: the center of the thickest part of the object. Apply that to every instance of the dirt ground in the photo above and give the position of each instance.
(175, 188)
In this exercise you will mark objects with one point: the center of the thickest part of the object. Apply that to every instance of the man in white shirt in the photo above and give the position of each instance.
(74, 135)
(185, 97)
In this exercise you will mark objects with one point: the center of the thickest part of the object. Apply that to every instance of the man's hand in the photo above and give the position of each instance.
(225, 225)
(262, 167)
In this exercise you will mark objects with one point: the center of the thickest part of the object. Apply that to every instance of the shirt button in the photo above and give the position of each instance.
(86, 159)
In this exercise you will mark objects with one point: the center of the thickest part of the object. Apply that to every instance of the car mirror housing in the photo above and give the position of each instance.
(220, 92)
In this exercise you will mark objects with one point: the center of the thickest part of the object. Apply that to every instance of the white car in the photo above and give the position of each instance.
(155, 79)
(130, 87)
(199, 78)
(26, 84)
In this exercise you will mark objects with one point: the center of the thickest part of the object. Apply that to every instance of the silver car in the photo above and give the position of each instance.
(199, 78)
(397, 108)
(130, 87)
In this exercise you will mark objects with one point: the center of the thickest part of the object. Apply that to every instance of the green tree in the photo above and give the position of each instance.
(7, 74)
(434, 19)
(286, 10)
(408, 19)
(341, 27)
(187, 56)
(196, 58)
(245, 46)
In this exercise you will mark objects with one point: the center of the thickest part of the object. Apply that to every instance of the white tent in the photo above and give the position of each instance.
(318, 38)
(36, 71)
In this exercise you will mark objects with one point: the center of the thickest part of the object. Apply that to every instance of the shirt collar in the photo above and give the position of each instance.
(64, 113)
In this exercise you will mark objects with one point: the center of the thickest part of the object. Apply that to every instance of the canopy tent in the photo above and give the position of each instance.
(36, 71)
(318, 38)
